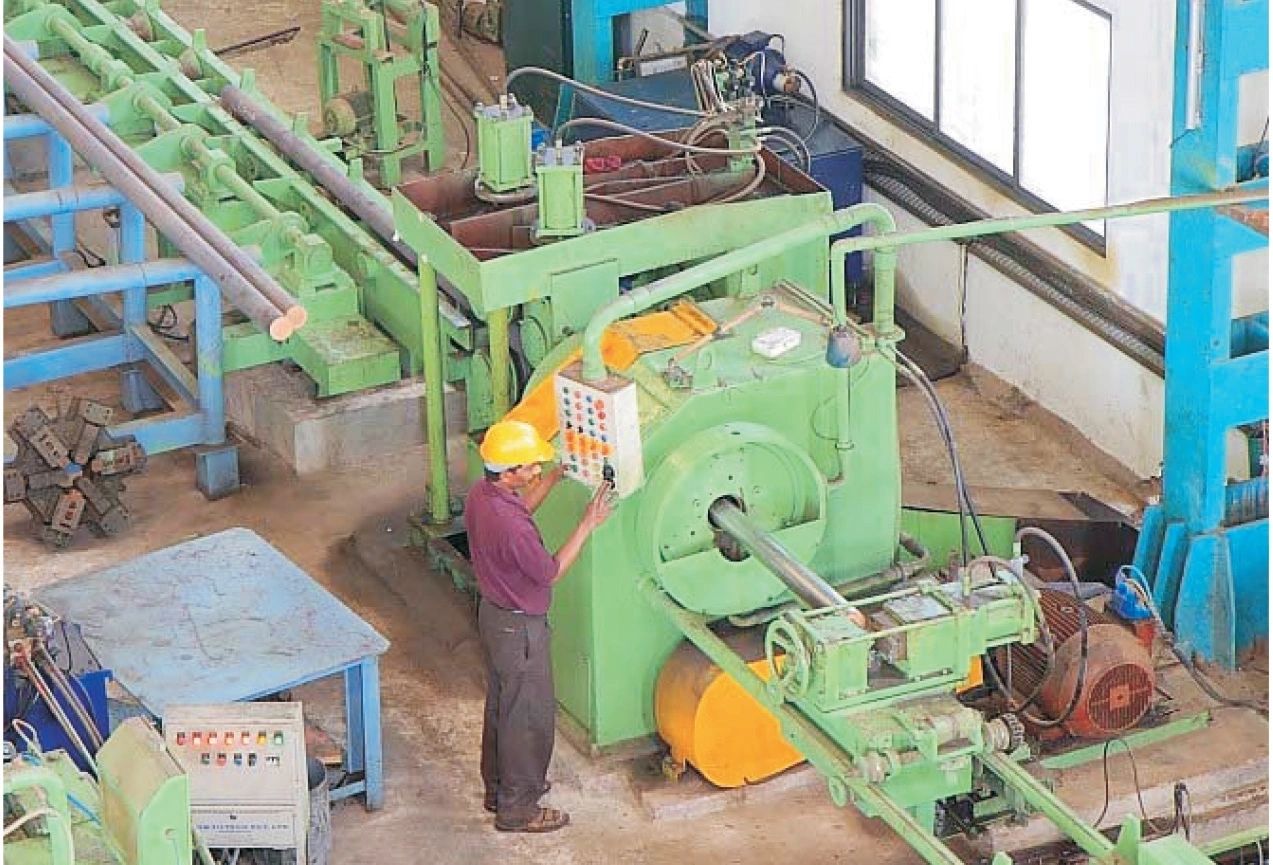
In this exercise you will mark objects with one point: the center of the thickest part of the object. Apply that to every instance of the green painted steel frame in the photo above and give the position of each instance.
(338, 271)
(380, 26)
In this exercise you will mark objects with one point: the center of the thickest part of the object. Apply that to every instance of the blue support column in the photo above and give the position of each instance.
(217, 461)
(1206, 557)
(139, 395)
(66, 320)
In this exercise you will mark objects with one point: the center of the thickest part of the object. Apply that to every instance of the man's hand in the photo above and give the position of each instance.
(549, 478)
(599, 508)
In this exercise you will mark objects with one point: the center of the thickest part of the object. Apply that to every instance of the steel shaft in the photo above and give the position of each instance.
(173, 216)
(810, 588)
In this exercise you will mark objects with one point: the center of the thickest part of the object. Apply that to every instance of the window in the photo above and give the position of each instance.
(1018, 89)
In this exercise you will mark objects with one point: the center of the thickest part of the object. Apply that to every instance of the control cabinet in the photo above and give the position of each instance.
(248, 776)
(600, 429)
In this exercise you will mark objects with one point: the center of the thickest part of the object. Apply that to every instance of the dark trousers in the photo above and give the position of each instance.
(517, 729)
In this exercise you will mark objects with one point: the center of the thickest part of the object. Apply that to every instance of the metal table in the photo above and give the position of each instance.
(226, 618)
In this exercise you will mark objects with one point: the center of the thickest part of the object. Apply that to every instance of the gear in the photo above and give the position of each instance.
(70, 471)
(1016, 730)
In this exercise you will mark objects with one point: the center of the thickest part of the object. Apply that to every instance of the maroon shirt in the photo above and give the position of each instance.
(514, 568)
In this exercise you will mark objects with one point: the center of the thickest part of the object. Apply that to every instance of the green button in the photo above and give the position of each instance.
(278, 738)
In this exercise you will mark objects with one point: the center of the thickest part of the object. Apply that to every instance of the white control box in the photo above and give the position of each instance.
(249, 783)
(600, 428)
(775, 342)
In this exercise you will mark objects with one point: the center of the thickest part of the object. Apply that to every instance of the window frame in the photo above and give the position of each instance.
(856, 85)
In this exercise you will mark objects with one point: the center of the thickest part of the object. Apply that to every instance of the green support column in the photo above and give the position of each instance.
(439, 510)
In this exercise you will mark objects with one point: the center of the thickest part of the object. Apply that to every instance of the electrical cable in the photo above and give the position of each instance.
(1140, 799)
(813, 95)
(449, 100)
(649, 136)
(1045, 634)
(786, 135)
(77, 705)
(1140, 585)
(595, 91)
(1081, 681)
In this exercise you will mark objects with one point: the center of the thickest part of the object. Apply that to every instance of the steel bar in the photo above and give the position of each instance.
(170, 213)
(1135, 739)
(377, 216)
(100, 61)
(1038, 796)
(810, 588)
(1233, 842)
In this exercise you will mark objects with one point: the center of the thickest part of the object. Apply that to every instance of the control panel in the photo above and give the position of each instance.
(248, 777)
(600, 430)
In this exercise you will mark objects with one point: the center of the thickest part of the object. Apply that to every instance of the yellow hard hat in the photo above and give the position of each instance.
(511, 443)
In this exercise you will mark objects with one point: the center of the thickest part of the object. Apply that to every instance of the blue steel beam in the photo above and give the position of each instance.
(98, 280)
(18, 126)
(70, 199)
(87, 354)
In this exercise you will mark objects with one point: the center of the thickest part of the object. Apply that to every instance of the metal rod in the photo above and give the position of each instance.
(810, 588)
(96, 58)
(1034, 793)
(434, 396)
(186, 227)
(324, 170)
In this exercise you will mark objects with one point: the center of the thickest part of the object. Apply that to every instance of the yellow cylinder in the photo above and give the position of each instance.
(711, 723)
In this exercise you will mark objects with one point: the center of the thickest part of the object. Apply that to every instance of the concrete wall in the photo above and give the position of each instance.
(1110, 398)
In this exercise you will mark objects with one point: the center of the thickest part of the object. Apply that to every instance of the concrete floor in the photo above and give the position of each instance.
(347, 529)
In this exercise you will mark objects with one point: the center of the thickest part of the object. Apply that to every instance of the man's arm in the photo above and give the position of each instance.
(593, 515)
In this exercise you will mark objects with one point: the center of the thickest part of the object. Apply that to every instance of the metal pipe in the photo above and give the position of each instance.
(810, 588)
(97, 280)
(323, 167)
(669, 287)
(69, 199)
(188, 229)
(19, 126)
(100, 62)
(434, 395)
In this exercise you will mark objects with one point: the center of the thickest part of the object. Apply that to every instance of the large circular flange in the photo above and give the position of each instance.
(772, 479)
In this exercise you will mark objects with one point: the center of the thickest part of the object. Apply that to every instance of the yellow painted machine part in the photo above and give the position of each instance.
(711, 723)
(622, 343)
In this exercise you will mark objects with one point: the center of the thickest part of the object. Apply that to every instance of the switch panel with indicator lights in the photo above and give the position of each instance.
(600, 430)
(248, 777)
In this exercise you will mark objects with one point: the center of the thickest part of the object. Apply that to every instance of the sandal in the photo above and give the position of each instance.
(489, 804)
(547, 820)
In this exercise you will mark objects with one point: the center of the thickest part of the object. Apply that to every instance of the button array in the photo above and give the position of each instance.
(587, 433)
(199, 740)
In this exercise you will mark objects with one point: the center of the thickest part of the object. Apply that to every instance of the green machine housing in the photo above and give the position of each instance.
(758, 431)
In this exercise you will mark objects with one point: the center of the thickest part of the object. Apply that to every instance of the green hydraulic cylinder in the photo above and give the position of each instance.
(503, 145)
(559, 175)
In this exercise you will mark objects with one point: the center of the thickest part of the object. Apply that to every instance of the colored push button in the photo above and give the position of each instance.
(220, 759)
(261, 738)
(212, 738)
(244, 737)
(251, 760)
(205, 758)
(238, 759)
(181, 738)
(229, 738)
(278, 737)
(196, 739)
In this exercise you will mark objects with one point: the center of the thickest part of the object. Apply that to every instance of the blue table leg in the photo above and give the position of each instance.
(362, 719)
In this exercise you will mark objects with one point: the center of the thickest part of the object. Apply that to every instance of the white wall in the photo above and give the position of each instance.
(1110, 398)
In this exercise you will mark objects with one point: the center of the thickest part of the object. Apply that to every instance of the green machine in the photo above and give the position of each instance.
(160, 85)
(390, 40)
(137, 814)
(758, 482)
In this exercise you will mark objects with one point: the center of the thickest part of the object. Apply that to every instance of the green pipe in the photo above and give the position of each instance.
(1232, 842)
(981, 227)
(434, 395)
(497, 327)
(1043, 800)
(662, 290)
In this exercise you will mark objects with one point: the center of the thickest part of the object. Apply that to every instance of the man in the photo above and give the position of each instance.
(515, 574)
